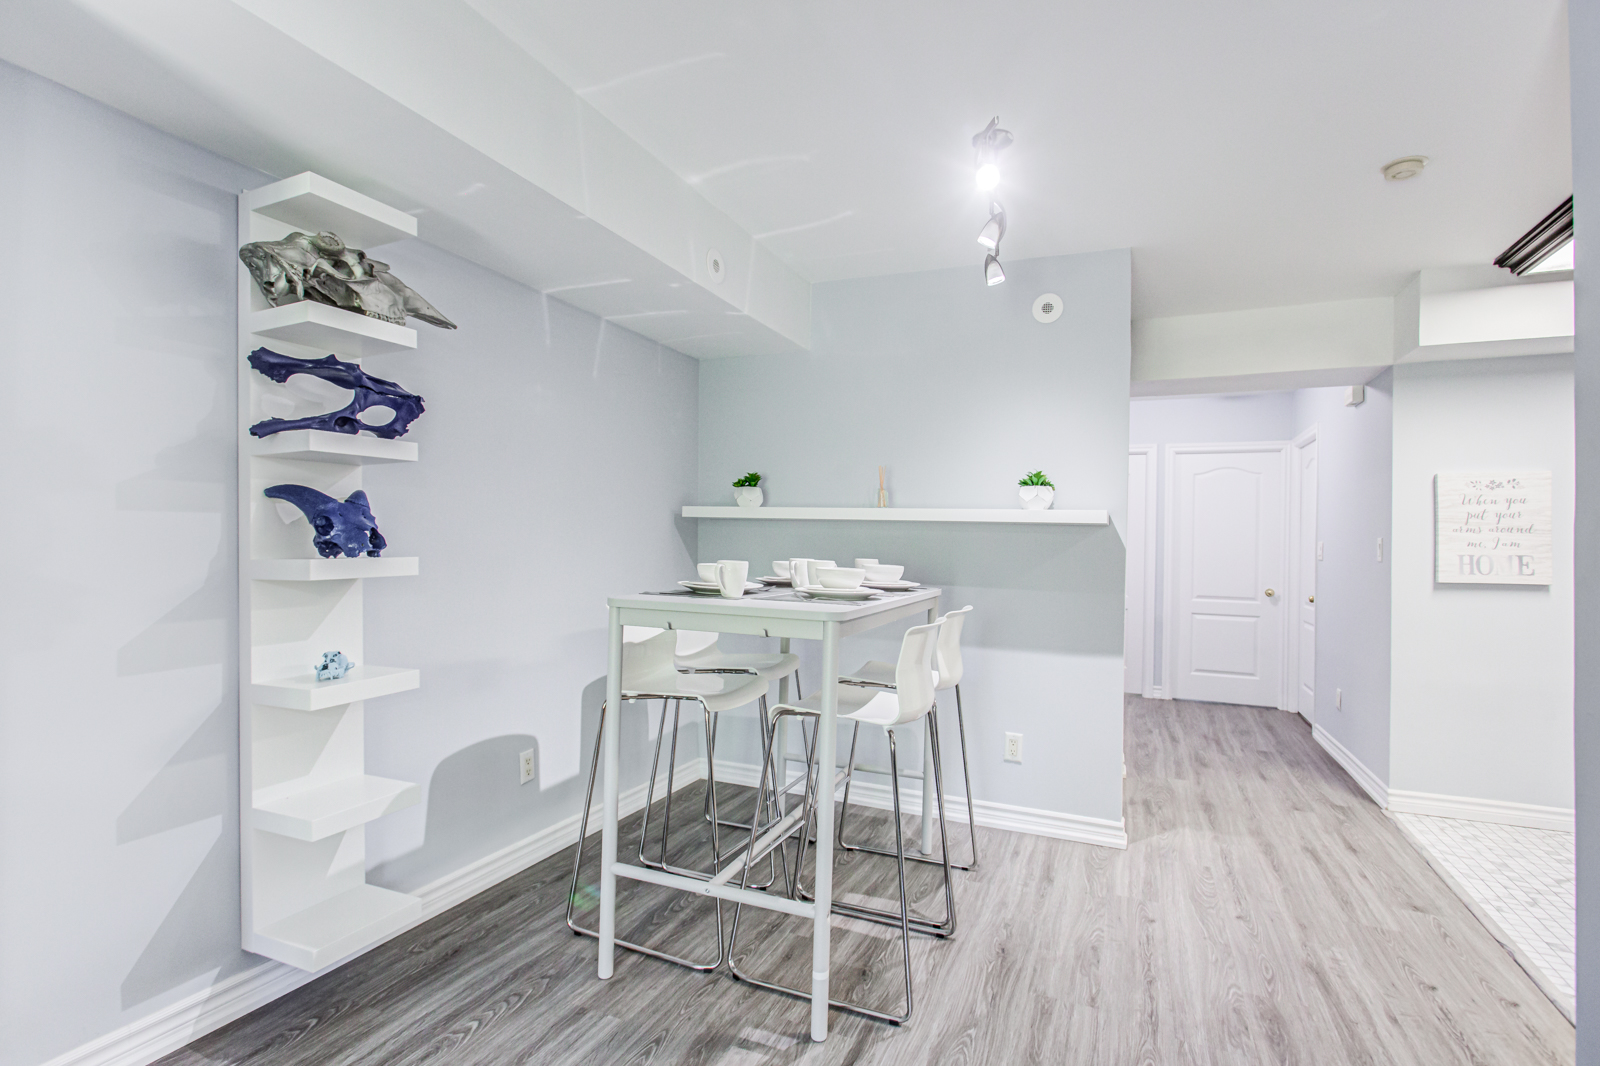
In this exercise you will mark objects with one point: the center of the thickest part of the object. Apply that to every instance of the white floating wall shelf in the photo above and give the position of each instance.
(906, 514)
(323, 446)
(333, 569)
(304, 692)
(305, 794)
(314, 811)
(331, 329)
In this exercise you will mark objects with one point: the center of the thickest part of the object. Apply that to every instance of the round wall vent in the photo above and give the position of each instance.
(716, 267)
(1409, 167)
(1047, 308)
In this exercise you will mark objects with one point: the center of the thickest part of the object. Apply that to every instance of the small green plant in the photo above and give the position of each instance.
(749, 481)
(1037, 478)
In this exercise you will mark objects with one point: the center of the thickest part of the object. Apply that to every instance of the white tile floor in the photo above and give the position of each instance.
(1522, 878)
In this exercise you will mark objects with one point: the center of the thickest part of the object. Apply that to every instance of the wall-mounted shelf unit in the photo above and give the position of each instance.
(305, 796)
(332, 569)
(322, 446)
(906, 514)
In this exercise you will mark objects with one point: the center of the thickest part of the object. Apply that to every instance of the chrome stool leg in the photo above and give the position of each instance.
(905, 934)
(577, 864)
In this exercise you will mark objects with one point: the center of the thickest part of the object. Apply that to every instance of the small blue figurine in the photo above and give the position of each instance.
(368, 392)
(346, 528)
(334, 666)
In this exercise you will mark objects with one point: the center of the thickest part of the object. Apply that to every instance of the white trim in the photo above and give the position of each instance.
(170, 1028)
(1147, 668)
(1369, 781)
(1101, 832)
(1291, 643)
(1168, 519)
(1500, 812)
(1158, 692)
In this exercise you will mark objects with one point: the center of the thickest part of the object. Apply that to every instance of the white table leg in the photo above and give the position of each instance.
(928, 798)
(827, 756)
(780, 736)
(609, 744)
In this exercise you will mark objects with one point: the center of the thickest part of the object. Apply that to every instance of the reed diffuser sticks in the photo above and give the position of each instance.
(883, 495)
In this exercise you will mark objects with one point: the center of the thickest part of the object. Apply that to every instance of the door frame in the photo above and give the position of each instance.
(1169, 548)
(1296, 585)
(1147, 665)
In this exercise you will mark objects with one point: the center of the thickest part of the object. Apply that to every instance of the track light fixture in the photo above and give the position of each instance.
(993, 273)
(994, 229)
(989, 142)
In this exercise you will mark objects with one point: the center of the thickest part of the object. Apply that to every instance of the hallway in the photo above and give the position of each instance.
(1265, 912)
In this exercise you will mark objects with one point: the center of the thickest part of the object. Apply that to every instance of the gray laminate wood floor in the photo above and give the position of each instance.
(1265, 911)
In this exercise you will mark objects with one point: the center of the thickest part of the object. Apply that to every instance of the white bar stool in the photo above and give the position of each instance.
(909, 701)
(878, 674)
(649, 673)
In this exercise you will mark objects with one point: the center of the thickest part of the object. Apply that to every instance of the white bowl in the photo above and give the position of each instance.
(884, 572)
(840, 577)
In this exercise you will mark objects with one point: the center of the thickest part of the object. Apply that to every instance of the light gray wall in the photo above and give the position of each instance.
(1354, 473)
(958, 391)
(554, 452)
(1164, 420)
(1584, 33)
(1482, 674)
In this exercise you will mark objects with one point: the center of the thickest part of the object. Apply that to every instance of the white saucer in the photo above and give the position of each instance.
(711, 588)
(891, 586)
(836, 594)
(773, 579)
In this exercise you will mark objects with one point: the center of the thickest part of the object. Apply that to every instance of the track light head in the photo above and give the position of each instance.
(989, 142)
(992, 271)
(994, 229)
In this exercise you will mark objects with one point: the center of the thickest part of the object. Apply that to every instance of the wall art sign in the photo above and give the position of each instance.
(1492, 529)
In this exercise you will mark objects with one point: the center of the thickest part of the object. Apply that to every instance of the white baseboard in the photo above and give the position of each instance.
(1357, 769)
(1032, 821)
(1157, 692)
(1500, 812)
(170, 1028)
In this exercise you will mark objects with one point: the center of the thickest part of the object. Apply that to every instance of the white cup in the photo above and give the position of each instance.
(866, 562)
(884, 572)
(731, 576)
(823, 562)
(780, 568)
(800, 574)
(840, 577)
(708, 573)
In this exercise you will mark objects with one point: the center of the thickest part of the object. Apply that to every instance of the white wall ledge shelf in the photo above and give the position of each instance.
(326, 932)
(331, 329)
(311, 203)
(340, 569)
(324, 446)
(907, 514)
(312, 812)
(304, 692)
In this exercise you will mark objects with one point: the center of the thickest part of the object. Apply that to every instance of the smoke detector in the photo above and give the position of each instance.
(1409, 167)
(1047, 308)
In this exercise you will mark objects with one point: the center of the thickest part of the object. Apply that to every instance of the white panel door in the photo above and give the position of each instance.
(1305, 607)
(1136, 588)
(1226, 541)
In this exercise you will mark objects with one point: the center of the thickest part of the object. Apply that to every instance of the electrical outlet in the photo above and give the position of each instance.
(1013, 747)
(1338, 699)
(1380, 549)
(525, 765)
(1319, 551)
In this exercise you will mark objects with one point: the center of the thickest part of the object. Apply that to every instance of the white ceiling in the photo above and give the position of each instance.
(1234, 145)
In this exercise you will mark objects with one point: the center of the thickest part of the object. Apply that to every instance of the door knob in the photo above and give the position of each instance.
(1271, 593)
(1311, 599)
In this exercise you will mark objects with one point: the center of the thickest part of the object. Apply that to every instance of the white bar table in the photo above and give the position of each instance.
(778, 613)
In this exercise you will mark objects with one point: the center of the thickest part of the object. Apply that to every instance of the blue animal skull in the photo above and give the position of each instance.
(346, 528)
(369, 392)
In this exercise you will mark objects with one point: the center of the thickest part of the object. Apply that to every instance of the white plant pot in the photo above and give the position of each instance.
(1036, 497)
(747, 495)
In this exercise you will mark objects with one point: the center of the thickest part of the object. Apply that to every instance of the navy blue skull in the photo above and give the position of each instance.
(346, 528)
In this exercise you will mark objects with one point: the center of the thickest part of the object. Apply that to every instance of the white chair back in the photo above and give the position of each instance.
(913, 674)
(691, 642)
(647, 661)
(949, 656)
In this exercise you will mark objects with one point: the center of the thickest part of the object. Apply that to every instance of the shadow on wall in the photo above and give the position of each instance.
(196, 785)
(478, 786)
